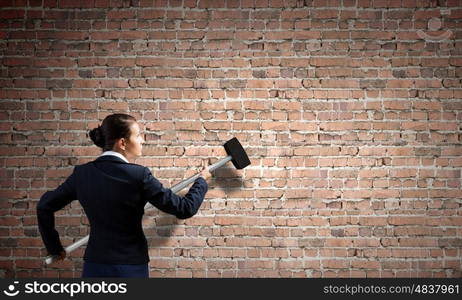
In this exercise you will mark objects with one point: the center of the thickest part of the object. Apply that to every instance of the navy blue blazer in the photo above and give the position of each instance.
(113, 194)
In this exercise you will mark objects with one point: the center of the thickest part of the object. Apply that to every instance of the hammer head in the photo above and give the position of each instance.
(234, 148)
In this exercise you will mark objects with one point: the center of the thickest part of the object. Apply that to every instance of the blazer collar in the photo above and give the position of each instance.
(110, 158)
(115, 154)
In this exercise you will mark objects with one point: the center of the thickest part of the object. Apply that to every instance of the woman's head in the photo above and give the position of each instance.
(119, 132)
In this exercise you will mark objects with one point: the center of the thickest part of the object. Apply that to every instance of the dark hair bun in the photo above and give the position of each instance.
(97, 137)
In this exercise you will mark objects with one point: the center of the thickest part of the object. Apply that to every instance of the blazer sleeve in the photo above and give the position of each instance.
(49, 203)
(167, 201)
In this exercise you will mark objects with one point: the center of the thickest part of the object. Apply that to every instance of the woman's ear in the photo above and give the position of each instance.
(121, 144)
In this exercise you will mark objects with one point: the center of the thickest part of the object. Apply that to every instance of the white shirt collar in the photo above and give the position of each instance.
(115, 154)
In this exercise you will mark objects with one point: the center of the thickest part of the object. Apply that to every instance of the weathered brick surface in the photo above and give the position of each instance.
(350, 112)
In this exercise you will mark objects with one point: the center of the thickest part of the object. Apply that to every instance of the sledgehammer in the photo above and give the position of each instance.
(236, 154)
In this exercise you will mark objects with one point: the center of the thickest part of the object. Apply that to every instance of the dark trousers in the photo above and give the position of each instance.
(91, 269)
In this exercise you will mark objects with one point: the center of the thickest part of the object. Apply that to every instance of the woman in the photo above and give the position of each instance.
(113, 193)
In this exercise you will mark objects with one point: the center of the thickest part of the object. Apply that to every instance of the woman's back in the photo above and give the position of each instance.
(110, 192)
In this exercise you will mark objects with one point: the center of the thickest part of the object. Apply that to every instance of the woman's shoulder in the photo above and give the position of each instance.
(135, 170)
(136, 167)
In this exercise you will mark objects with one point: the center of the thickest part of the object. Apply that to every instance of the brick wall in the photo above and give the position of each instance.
(350, 112)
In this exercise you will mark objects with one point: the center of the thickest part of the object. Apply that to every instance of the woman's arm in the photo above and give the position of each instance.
(167, 201)
(49, 203)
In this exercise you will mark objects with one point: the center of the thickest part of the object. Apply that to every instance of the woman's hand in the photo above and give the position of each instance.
(205, 171)
(60, 256)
